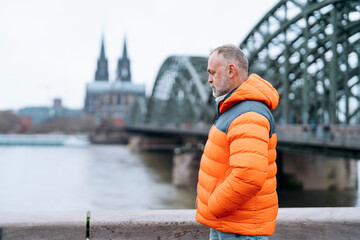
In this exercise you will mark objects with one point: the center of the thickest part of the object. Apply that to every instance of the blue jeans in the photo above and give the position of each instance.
(217, 235)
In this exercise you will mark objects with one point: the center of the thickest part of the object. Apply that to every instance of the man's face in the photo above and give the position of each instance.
(218, 79)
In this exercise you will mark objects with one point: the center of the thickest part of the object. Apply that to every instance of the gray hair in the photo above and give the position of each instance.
(233, 53)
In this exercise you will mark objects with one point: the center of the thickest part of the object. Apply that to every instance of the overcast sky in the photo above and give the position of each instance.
(49, 49)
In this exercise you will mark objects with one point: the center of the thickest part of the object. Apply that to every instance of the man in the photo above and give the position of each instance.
(237, 195)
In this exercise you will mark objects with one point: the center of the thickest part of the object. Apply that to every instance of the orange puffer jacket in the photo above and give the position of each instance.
(237, 184)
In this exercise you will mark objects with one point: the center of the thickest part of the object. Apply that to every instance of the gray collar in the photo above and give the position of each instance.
(219, 99)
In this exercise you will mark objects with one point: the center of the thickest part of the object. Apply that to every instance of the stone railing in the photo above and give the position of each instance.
(292, 224)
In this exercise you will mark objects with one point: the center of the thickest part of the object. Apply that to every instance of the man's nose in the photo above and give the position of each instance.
(210, 80)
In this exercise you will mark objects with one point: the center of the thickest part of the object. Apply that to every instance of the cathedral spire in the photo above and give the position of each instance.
(124, 49)
(123, 68)
(102, 53)
(102, 64)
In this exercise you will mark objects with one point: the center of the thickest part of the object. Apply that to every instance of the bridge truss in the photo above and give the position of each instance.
(310, 51)
(181, 94)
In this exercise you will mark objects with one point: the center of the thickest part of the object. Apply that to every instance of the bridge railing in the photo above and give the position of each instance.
(337, 135)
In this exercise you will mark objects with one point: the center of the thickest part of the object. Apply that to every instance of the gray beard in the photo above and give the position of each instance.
(222, 90)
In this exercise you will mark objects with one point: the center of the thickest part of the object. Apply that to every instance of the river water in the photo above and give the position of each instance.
(110, 177)
(100, 177)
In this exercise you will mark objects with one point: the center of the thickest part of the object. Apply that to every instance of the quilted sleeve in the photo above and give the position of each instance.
(248, 138)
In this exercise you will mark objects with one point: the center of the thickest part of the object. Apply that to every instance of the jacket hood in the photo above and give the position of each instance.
(254, 88)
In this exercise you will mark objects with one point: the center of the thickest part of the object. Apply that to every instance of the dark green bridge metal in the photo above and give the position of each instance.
(181, 94)
(309, 50)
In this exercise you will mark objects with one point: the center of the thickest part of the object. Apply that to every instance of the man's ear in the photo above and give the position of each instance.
(231, 70)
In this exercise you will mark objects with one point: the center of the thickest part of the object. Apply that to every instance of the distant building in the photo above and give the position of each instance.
(112, 101)
(38, 115)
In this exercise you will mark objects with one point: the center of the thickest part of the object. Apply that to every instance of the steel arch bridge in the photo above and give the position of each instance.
(181, 93)
(308, 49)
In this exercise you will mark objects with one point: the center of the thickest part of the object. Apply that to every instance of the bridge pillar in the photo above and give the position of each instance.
(186, 163)
(316, 172)
(152, 143)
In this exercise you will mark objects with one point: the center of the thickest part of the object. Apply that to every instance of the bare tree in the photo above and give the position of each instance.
(8, 122)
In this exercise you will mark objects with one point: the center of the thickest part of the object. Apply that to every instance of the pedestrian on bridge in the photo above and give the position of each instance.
(236, 192)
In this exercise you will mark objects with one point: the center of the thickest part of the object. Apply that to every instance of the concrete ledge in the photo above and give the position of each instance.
(293, 223)
(317, 223)
(152, 224)
(43, 225)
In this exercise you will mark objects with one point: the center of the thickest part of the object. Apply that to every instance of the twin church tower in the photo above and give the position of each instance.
(123, 67)
(112, 101)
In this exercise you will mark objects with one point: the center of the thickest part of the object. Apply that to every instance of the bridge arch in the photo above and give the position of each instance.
(181, 94)
(139, 111)
(310, 51)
